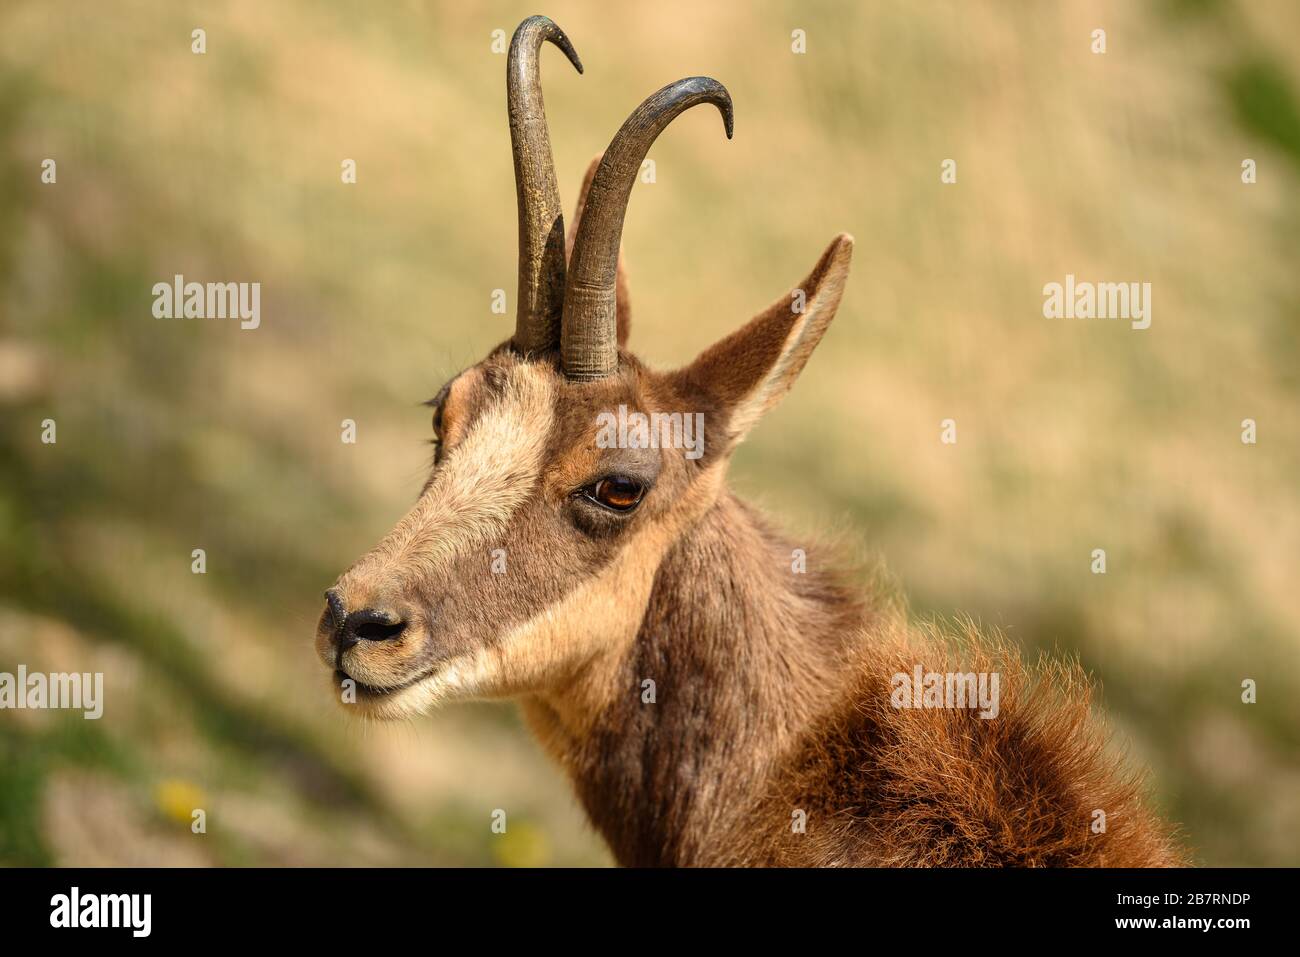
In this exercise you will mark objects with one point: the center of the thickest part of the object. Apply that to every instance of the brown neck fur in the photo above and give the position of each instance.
(744, 653)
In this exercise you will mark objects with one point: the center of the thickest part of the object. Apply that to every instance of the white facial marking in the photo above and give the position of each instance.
(480, 484)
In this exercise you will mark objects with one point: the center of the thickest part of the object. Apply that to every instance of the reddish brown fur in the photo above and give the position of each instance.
(944, 788)
(773, 695)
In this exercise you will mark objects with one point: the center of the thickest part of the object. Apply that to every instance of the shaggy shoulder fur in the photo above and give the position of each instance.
(942, 787)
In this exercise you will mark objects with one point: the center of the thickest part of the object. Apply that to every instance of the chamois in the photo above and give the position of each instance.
(712, 701)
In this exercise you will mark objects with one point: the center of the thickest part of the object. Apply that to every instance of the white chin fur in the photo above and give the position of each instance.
(420, 698)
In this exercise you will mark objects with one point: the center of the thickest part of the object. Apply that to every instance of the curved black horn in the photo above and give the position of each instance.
(541, 224)
(589, 334)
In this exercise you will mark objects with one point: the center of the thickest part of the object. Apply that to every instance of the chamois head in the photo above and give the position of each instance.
(564, 468)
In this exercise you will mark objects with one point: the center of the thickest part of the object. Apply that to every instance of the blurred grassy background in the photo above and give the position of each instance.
(1073, 435)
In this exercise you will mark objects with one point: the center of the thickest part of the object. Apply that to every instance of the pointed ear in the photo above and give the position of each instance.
(622, 302)
(746, 374)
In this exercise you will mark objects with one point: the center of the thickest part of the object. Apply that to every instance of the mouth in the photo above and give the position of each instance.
(374, 692)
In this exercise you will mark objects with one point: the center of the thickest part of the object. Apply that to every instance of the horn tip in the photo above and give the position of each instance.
(561, 40)
(721, 98)
(540, 29)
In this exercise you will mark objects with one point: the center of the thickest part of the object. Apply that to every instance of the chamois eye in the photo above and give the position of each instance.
(618, 492)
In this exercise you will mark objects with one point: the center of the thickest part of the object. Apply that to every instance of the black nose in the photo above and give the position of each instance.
(367, 624)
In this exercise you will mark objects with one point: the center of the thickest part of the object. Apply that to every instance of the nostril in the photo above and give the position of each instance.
(378, 631)
(370, 625)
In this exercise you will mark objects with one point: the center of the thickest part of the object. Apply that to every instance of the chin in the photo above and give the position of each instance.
(411, 699)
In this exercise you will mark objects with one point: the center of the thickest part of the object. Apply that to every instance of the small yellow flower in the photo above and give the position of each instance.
(178, 800)
(522, 845)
